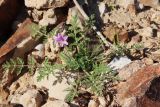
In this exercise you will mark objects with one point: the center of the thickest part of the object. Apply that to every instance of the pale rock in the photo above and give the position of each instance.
(117, 16)
(156, 17)
(102, 102)
(145, 32)
(35, 3)
(55, 90)
(128, 70)
(130, 102)
(147, 61)
(37, 15)
(31, 98)
(151, 3)
(49, 18)
(93, 103)
(125, 3)
(39, 51)
(118, 63)
(140, 6)
(158, 34)
(43, 4)
(102, 8)
(72, 12)
(3, 95)
(56, 103)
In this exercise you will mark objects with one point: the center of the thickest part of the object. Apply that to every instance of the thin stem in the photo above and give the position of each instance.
(107, 43)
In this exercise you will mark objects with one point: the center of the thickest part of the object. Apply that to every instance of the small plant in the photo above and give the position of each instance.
(119, 49)
(80, 54)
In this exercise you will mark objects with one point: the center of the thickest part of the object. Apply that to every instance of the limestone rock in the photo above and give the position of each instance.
(146, 32)
(118, 63)
(125, 3)
(43, 4)
(151, 3)
(56, 103)
(93, 103)
(49, 18)
(54, 90)
(130, 69)
(3, 95)
(31, 98)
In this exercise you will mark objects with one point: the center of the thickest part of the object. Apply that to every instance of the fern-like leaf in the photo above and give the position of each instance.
(15, 65)
(47, 69)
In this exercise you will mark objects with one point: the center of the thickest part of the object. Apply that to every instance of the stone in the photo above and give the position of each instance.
(148, 61)
(102, 102)
(156, 17)
(37, 15)
(8, 11)
(54, 90)
(31, 98)
(138, 86)
(118, 63)
(146, 32)
(102, 8)
(39, 51)
(155, 55)
(73, 12)
(20, 35)
(132, 9)
(3, 95)
(111, 31)
(130, 102)
(45, 4)
(125, 3)
(117, 16)
(93, 103)
(49, 18)
(128, 70)
(151, 3)
(56, 103)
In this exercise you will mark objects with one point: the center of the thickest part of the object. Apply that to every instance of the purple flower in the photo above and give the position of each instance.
(61, 40)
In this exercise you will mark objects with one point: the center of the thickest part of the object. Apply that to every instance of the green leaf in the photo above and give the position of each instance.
(47, 69)
(14, 65)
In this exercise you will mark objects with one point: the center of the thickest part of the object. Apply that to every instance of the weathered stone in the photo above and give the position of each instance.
(102, 102)
(138, 84)
(93, 103)
(3, 95)
(151, 3)
(43, 4)
(128, 70)
(118, 63)
(125, 3)
(21, 34)
(132, 9)
(55, 103)
(111, 32)
(155, 55)
(49, 18)
(31, 98)
(146, 32)
(56, 90)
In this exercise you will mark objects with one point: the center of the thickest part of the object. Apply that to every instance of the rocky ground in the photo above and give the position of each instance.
(133, 21)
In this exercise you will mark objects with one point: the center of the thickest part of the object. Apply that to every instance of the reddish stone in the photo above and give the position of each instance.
(21, 33)
(137, 86)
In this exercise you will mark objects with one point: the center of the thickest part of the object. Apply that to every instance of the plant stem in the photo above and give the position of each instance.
(107, 43)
